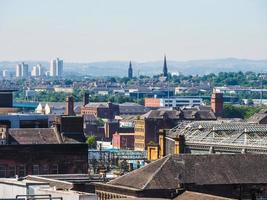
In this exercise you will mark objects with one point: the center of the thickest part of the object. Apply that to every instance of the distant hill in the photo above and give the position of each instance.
(119, 68)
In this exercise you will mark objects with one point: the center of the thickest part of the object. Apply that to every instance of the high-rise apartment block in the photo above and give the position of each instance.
(22, 70)
(56, 68)
(37, 70)
(5, 73)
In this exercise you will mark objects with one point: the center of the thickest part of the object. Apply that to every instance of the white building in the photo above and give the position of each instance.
(48, 188)
(5, 74)
(179, 102)
(18, 70)
(22, 70)
(36, 70)
(56, 68)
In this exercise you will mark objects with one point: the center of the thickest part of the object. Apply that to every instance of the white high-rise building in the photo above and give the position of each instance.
(39, 69)
(22, 70)
(56, 67)
(36, 70)
(5, 74)
(18, 70)
(25, 70)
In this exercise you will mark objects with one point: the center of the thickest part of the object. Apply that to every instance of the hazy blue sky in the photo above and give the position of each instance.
(140, 30)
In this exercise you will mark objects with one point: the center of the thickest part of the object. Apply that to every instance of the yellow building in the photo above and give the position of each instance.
(139, 135)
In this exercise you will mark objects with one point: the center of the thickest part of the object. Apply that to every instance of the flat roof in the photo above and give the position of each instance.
(8, 90)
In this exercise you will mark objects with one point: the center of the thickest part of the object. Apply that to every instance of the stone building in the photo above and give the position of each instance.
(239, 176)
(57, 150)
(149, 124)
(101, 110)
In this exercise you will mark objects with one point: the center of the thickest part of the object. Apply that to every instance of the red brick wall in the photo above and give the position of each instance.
(152, 102)
(69, 158)
(116, 141)
(217, 103)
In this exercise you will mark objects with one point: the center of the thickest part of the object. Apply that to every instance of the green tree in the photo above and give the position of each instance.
(91, 141)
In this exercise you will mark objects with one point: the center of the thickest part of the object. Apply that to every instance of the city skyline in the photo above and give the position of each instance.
(88, 31)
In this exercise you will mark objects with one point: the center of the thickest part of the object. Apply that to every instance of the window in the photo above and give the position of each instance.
(45, 169)
(11, 171)
(182, 101)
(2, 171)
(35, 169)
(54, 169)
(21, 169)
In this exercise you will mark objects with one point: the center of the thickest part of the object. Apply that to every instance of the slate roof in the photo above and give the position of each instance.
(186, 114)
(258, 117)
(188, 195)
(43, 136)
(97, 104)
(34, 136)
(213, 169)
(132, 108)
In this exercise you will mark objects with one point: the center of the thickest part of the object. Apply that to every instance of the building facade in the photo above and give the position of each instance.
(235, 176)
(56, 68)
(173, 102)
(33, 159)
(148, 125)
(22, 70)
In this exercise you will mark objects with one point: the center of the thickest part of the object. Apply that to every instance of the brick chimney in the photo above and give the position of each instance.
(69, 110)
(217, 103)
(85, 98)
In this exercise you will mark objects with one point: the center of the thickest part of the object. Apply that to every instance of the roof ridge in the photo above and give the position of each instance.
(151, 178)
(136, 171)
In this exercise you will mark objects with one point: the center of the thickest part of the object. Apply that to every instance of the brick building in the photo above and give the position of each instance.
(217, 103)
(60, 149)
(148, 125)
(101, 110)
(123, 140)
(238, 176)
(35, 159)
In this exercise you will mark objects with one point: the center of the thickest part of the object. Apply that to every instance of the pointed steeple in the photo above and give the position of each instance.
(165, 69)
(130, 71)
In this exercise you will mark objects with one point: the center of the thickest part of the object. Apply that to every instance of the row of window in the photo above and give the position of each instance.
(182, 101)
(22, 170)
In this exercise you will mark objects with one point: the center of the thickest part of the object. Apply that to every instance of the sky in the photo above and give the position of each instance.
(138, 30)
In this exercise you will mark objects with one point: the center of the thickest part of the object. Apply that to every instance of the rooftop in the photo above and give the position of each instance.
(240, 134)
(215, 169)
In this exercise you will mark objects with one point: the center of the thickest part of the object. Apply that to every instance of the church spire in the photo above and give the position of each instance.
(130, 71)
(165, 69)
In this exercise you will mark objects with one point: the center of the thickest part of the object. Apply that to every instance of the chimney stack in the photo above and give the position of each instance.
(85, 99)
(69, 110)
(217, 103)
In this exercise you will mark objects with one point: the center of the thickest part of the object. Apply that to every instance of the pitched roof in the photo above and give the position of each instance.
(185, 114)
(132, 108)
(43, 136)
(258, 117)
(213, 169)
(220, 133)
(188, 195)
(141, 178)
(34, 135)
